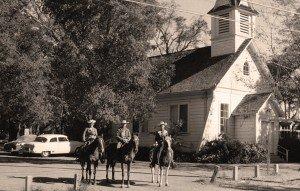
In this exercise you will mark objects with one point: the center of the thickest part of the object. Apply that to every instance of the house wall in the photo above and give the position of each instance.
(196, 119)
(245, 130)
(267, 126)
(231, 90)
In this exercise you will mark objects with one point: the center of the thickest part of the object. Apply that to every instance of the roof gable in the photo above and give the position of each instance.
(199, 71)
(251, 103)
(230, 4)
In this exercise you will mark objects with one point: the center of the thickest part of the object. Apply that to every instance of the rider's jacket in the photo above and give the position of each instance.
(123, 136)
(89, 134)
(160, 137)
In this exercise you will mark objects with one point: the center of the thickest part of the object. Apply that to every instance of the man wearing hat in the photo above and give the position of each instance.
(123, 134)
(160, 135)
(90, 133)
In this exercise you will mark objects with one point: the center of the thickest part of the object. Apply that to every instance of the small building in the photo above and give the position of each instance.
(224, 88)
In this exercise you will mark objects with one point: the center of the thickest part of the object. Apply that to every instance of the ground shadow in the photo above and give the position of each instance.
(117, 183)
(245, 186)
(48, 180)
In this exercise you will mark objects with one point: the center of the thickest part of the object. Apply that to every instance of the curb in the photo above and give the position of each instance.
(37, 160)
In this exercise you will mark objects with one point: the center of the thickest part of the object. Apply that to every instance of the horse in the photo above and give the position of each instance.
(124, 155)
(164, 161)
(90, 154)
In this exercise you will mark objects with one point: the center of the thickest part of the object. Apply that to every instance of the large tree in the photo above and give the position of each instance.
(174, 33)
(25, 92)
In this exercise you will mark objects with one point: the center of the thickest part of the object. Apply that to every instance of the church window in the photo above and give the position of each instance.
(244, 24)
(246, 69)
(224, 24)
(224, 117)
(179, 115)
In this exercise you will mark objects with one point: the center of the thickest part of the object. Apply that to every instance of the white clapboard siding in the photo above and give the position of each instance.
(245, 128)
(196, 119)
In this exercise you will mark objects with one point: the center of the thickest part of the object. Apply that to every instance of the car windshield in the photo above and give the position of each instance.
(40, 139)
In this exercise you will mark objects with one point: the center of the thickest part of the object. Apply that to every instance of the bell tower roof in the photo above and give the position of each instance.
(222, 5)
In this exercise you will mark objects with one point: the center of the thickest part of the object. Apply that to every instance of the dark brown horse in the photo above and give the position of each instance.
(90, 154)
(124, 155)
(165, 160)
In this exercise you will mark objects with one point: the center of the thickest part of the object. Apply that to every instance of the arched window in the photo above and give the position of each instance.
(246, 69)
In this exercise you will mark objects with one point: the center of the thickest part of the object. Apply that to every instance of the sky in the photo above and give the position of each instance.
(263, 24)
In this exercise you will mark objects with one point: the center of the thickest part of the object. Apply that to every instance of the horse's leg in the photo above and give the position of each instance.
(161, 175)
(82, 171)
(128, 174)
(107, 167)
(113, 171)
(122, 168)
(167, 174)
(157, 172)
(89, 171)
(86, 172)
(95, 171)
(152, 172)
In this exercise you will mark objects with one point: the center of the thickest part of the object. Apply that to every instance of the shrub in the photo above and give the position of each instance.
(225, 150)
(290, 141)
(143, 154)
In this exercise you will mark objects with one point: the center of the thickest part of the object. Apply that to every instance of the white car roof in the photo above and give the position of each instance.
(52, 135)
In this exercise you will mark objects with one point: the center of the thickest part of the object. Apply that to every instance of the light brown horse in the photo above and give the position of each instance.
(124, 155)
(90, 154)
(165, 160)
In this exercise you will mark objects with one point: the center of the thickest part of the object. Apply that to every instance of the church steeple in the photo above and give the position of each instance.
(228, 34)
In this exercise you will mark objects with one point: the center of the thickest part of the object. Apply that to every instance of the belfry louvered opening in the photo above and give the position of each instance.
(244, 23)
(224, 23)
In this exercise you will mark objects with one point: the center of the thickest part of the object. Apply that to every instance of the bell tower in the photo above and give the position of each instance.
(237, 25)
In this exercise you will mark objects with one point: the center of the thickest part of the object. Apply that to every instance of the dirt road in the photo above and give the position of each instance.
(50, 177)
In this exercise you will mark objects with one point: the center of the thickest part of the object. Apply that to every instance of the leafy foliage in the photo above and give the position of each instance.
(64, 61)
(174, 34)
(225, 150)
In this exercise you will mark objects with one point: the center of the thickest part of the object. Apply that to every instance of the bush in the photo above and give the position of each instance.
(143, 154)
(225, 150)
(290, 141)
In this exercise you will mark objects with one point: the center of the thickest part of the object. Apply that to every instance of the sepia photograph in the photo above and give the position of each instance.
(150, 95)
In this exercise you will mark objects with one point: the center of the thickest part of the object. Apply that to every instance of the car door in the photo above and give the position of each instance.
(64, 145)
(54, 146)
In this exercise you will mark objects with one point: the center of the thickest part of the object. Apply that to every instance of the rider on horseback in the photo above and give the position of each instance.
(90, 133)
(123, 135)
(159, 138)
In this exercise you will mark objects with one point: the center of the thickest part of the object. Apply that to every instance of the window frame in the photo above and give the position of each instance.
(224, 24)
(53, 138)
(246, 68)
(66, 139)
(223, 120)
(178, 116)
(245, 23)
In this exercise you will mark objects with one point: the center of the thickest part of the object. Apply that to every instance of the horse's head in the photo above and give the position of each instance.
(168, 142)
(100, 144)
(135, 142)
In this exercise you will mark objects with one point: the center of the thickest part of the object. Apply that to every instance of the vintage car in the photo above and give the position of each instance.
(15, 146)
(49, 144)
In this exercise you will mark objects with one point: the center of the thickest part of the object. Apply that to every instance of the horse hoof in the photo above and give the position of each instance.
(122, 186)
(128, 186)
(159, 185)
(167, 184)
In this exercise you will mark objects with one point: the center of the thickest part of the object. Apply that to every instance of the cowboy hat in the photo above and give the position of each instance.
(162, 123)
(91, 121)
(124, 122)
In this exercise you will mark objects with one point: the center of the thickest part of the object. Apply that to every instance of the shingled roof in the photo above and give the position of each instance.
(231, 4)
(199, 71)
(251, 103)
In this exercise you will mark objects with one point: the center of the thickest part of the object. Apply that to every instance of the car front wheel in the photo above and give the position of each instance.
(45, 153)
